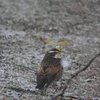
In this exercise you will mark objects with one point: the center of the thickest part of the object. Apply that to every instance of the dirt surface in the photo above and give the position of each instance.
(25, 24)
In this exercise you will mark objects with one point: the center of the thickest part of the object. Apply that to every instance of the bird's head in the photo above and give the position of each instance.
(54, 53)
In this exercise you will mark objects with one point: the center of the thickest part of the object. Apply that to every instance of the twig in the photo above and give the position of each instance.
(74, 75)
(18, 89)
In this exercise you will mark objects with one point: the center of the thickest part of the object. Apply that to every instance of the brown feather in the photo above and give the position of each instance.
(49, 71)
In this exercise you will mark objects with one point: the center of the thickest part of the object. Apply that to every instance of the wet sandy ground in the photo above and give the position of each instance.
(26, 24)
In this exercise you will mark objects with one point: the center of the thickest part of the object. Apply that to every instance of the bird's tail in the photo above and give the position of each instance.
(42, 83)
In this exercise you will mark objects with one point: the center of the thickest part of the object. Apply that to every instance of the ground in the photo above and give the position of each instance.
(26, 24)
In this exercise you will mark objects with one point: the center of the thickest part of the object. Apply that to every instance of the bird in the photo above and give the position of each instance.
(50, 69)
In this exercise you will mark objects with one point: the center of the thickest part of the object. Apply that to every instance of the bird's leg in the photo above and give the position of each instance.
(44, 91)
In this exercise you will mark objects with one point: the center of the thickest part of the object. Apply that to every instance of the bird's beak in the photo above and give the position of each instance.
(60, 52)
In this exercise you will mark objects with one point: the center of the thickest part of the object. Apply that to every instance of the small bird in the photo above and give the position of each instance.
(50, 69)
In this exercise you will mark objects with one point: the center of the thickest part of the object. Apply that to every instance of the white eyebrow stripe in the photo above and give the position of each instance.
(52, 51)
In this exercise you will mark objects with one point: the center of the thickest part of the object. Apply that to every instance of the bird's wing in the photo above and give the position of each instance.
(47, 73)
(50, 69)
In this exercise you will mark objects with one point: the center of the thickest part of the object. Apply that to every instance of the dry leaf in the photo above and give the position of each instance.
(48, 41)
(58, 47)
(62, 43)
